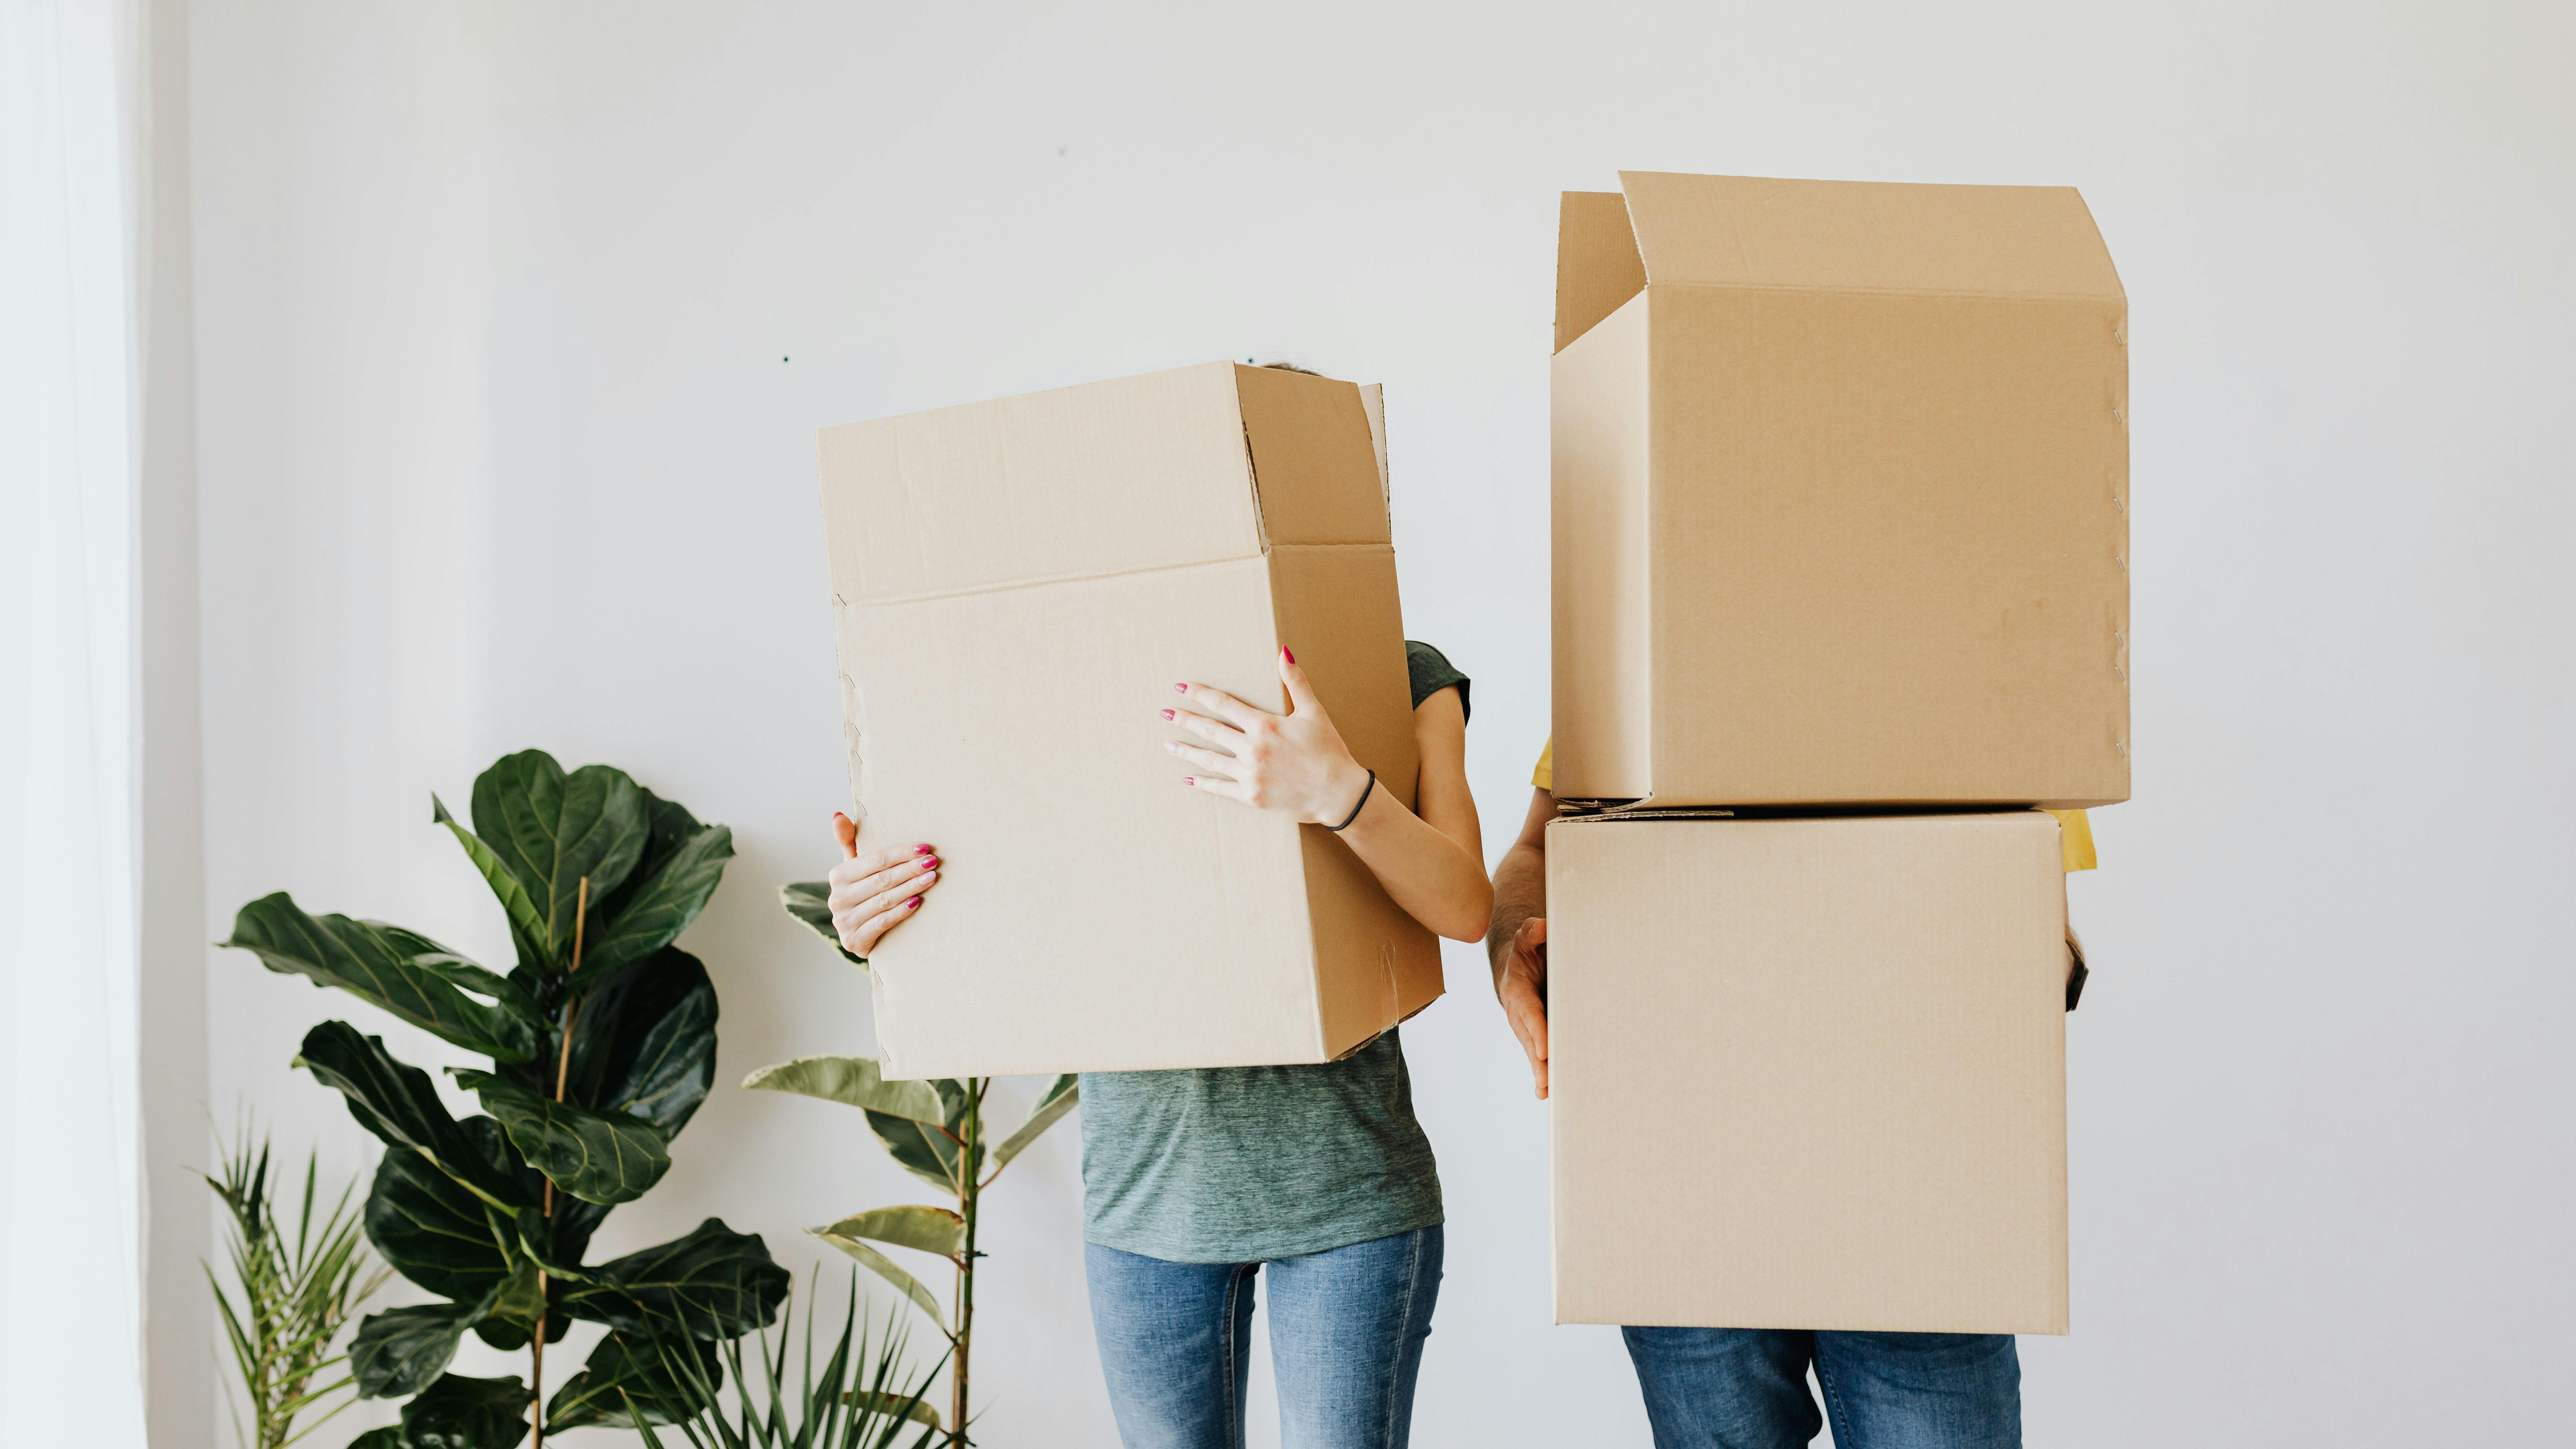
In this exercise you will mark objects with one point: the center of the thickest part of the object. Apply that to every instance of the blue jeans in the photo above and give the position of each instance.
(1746, 1388)
(1346, 1331)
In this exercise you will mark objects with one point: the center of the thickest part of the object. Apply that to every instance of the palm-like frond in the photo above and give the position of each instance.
(861, 1397)
(292, 1294)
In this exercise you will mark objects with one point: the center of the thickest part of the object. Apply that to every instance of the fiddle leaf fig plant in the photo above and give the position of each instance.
(598, 1046)
(934, 1130)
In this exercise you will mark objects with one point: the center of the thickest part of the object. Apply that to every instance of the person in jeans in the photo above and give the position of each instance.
(1746, 1388)
(1198, 1184)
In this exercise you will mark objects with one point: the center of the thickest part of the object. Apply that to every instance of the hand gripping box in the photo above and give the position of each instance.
(1809, 1073)
(1841, 492)
(1017, 585)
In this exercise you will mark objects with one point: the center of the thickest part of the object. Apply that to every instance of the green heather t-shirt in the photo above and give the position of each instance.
(1246, 1164)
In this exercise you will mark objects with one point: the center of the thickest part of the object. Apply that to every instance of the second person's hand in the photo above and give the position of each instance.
(1521, 985)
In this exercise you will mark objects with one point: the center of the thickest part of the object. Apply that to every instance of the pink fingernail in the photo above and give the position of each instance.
(931, 864)
(1167, 714)
(912, 904)
(1189, 779)
(921, 850)
(1180, 689)
(1287, 655)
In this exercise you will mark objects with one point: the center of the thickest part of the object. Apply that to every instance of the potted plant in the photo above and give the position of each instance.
(597, 1047)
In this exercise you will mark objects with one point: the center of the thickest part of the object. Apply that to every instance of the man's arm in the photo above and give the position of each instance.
(1516, 943)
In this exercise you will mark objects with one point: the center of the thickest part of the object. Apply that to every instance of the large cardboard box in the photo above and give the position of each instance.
(1017, 586)
(1841, 490)
(1809, 1073)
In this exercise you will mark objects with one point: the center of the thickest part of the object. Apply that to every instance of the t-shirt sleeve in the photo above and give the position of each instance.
(2077, 830)
(1432, 672)
(1544, 776)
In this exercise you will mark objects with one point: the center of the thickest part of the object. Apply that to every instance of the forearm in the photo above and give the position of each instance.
(1437, 880)
(1520, 892)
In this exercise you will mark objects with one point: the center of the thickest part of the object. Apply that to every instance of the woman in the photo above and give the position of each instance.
(1194, 1182)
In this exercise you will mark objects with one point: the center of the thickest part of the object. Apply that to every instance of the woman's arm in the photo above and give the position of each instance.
(1431, 863)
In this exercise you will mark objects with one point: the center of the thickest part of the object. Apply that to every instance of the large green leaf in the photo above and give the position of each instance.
(520, 1301)
(398, 1104)
(714, 1283)
(886, 1268)
(602, 1157)
(550, 830)
(407, 974)
(810, 901)
(1059, 1099)
(931, 1153)
(388, 1437)
(645, 1043)
(526, 920)
(853, 1081)
(682, 862)
(461, 1413)
(929, 1229)
(536, 1243)
(402, 1351)
(624, 1367)
(431, 1229)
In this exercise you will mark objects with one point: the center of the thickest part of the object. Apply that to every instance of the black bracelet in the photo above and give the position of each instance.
(1365, 792)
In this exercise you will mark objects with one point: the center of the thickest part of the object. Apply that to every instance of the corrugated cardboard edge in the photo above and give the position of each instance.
(1598, 265)
(1408, 985)
(1373, 401)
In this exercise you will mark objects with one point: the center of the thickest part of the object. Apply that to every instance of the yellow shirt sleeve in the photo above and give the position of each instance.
(2078, 832)
(1544, 776)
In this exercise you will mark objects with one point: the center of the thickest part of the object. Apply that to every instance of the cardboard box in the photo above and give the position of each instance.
(1841, 481)
(1018, 584)
(1809, 1073)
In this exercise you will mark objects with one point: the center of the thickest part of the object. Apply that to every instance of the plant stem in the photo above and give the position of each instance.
(970, 1195)
(563, 1075)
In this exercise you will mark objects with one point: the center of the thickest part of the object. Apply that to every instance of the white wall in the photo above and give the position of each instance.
(516, 322)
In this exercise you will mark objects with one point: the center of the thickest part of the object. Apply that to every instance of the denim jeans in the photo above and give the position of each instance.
(1746, 1388)
(1346, 1331)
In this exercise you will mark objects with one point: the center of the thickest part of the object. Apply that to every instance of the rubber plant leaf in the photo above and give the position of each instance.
(929, 1229)
(623, 1368)
(601, 1157)
(891, 1271)
(681, 864)
(713, 1283)
(1059, 1099)
(810, 901)
(645, 1043)
(461, 1413)
(893, 1406)
(399, 1105)
(550, 830)
(406, 974)
(402, 1351)
(855, 1082)
(525, 918)
(432, 1230)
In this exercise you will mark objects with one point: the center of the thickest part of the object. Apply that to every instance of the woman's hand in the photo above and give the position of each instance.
(873, 894)
(1294, 763)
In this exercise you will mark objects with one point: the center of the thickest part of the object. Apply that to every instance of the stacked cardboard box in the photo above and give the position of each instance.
(1841, 477)
(1016, 586)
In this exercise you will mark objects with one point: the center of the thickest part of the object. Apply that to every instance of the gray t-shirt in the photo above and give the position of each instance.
(1246, 1164)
